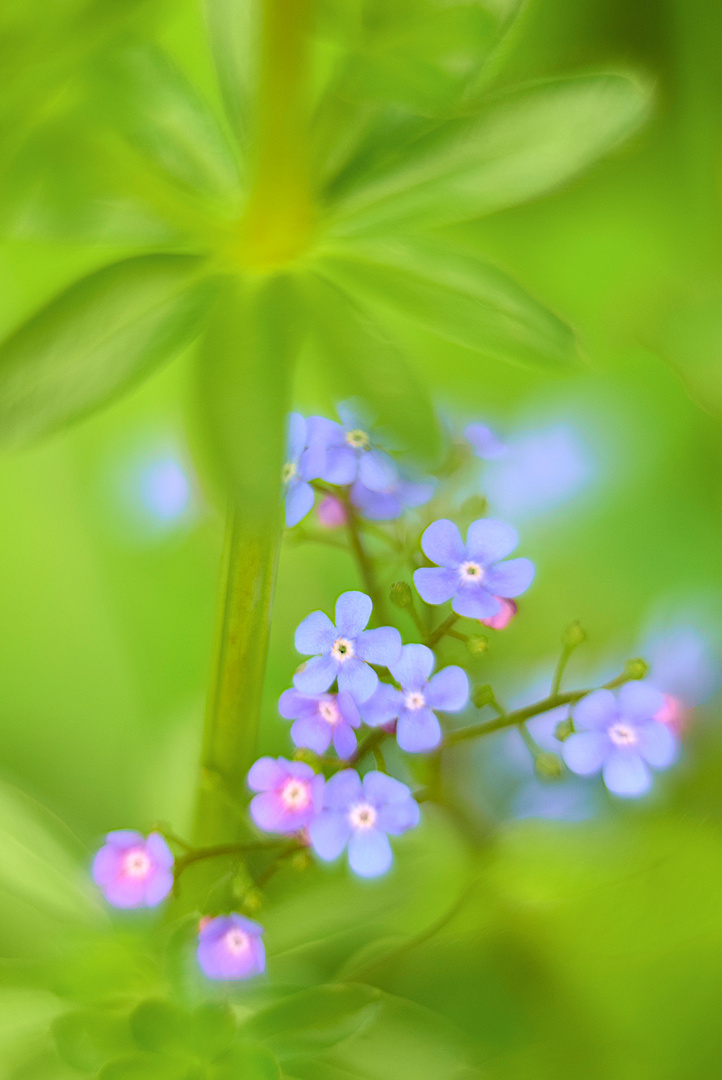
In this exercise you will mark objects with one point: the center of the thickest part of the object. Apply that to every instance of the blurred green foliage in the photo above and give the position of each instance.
(529, 949)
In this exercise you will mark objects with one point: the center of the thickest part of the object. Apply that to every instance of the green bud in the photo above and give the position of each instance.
(474, 507)
(636, 669)
(401, 595)
(573, 635)
(477, 644)
(482, 695)
(548, 766)
(564, 729)
(302, 860)
(305, 755)
(252, 900)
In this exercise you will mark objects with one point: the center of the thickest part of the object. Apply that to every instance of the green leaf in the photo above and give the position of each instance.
(457, 296)
(313, 1019)
(211, 1030)
(359, 359)
(96, 339)
(231, 28)
(247, 1063)
(88, 1039)
(519, 146)
(159, 1027)
(147, 1067)
(244, 377)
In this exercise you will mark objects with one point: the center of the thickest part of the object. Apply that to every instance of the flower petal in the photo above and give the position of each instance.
(312, 733)
(106, 865)
(657, 744)
(377, 471)
(441, 542)
(159, 851)
(414, 666)
(268, 812)
(292, 704)
(329, 834)
(640, 701)
(296, 437)
(316, 634)
(597, 710)
(381, 789)
(348, 708)
(475, 602)
(487, 540)
(585, 751)
(342, 789)
(435, 585)
(266, 774)
(383, 705)
(418, 732)
(369, 853)
(358, 679)
(299, 500)
(484, 442)
(376, 505)
(353, 611)
(381, 646)
(510, 578)
(341, 465)
(448, 690)
(344, 740)
(398, 817)
(124, 892)
(157, 886)
(626, 774)
(317, 675)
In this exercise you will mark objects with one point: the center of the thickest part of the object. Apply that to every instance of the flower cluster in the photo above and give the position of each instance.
(360, 685)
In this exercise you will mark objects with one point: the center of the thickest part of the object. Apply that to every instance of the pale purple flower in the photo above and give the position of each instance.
(352, 453)
(418, 730)
(344, 651)
(321, 719)
(484, 442)
(305, 458)
(290, 793)
(618, 734)
(362, 814)
(230, 947)
(472, 575)
(503, 617)
(132, 871)
(331, 512)
(389, 504)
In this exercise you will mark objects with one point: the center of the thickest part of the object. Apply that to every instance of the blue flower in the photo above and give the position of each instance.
(321, 718)
(362, 813)
(230, 947)
(471, 575)
(402, 494)
(351, 453)
(619, 735)
(344, 651)
(305, 457)
(484, 442)
(418, 730)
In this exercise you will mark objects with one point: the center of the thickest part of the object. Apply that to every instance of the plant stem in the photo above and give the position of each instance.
(364, 563)
(443, 628)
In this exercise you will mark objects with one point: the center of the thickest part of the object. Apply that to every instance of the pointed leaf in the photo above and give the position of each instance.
(360, 360)
(459, 297)
(98, 337)
(231, 31)
(314, 1019)
(517, 147)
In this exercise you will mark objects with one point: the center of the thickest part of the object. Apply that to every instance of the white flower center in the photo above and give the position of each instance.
(295, 795)
(362, 816)
(342, 649)
(358, 439)
(471, 571)
(137, 864)
(288, 472)
(622, 735)
(236, 941)
(414, 700)
(328, 711)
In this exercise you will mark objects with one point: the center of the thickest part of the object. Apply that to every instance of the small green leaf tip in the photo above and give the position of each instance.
(574, 635)
(636, 668)
(482, 695)
(564, 729)
(548, 766)
(400, 594)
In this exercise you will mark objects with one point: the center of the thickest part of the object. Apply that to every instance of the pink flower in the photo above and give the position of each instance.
(230, 947)
(133, 872)
(331, 512)
(290, 794)
(503, 617)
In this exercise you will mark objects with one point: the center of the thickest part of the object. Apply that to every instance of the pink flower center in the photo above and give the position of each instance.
(342, 649)
(414, 700)
(295, 795)
(362, 816)
(136, 863)
(328, 711)
(622, 735)
(236, 941)
(471, 571)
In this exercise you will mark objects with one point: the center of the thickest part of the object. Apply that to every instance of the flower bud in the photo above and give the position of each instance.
(401, 595)
(302, 754)
(636, 669)
(477, 644)
(574, 635)
(548, 766)
(564, 729)
(482, 695)
(331, 512)
(474, 507)
(252, 900)
(301, 860)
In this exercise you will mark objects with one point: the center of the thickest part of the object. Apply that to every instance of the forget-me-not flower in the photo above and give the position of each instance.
(387, 505)
(472, 575)
(618, 734)
(362, 814)
(321, 719)
(485, 443)
(230, 947)
(132, 871)
(352, 453)
(305, 457)
(289, 794)
(344, 651)
(418, 729)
